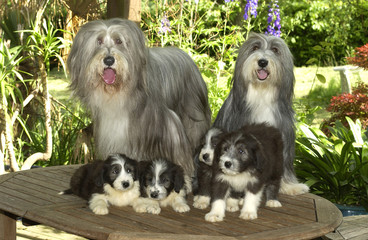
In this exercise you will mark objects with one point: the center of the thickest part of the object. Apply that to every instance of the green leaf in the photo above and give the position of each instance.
(321, 78)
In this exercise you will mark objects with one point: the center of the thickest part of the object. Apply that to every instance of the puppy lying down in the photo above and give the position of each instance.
(110, 182)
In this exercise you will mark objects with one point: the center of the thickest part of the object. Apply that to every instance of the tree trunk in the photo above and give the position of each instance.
(47, 109)
(128, 9)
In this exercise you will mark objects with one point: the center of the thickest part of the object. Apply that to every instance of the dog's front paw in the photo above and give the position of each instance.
(201, 202)
(153, 209)
(100, 210)
(181, 207)
(214, 217)
(140, 208)
(232, 205)
(248, 215)
(273, 203)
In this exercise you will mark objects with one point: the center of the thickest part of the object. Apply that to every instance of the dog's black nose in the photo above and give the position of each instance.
(262, 63)
(109, 60)
(154, 194)
(228, 164)
(205, 156)
(125, 184)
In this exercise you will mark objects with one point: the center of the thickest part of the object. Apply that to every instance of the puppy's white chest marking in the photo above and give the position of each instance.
(238, 182)
(263, 105)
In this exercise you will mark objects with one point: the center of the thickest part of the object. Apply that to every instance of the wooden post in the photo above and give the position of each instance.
(8, 227)
(128, 9)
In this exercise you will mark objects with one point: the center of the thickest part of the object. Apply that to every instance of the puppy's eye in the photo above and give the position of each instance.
(128, 170)
(165, 180)
(118, 41)
(241, 151)
(115, 171)
(99, 41)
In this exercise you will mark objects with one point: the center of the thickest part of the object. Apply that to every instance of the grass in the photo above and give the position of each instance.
(309, 92)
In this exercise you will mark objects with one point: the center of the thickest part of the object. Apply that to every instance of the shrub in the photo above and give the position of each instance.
(335, 167)
(354, 105)
(361, 57)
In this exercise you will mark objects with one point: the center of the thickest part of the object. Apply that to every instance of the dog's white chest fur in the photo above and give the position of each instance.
(263, 105)
(238, 182)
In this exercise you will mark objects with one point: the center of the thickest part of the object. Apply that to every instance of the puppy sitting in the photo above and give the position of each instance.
(202, 198)
(161, 184)
(249, 160)
(113, 181)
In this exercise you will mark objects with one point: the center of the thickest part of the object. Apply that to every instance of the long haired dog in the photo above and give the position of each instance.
(161, 185)
(249, 160)
(147, 103)
(263, 88)
(110, 182)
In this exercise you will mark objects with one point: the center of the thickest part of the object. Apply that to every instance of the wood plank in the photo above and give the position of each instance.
(8, 228)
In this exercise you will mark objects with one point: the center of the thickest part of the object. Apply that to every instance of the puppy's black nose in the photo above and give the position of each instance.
(205, 156)
(125, 184)
(154, 194)
(109, 60)
(262, 63)
(228, 164)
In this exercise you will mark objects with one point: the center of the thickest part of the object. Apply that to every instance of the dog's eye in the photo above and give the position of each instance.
(241, 151)
(165, 180)
(255, 48)
(275, 50)
(118, 41)
(115, 171)
(99, 41)
(128, 170)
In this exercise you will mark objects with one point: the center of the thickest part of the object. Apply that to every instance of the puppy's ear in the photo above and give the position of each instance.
(178, 179)
(100, 179)
(259, 158)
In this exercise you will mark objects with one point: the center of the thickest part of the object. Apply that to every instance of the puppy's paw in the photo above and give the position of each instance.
(214, 217)
(248, 215)
(153, 209)
(140, 208)
(232, 205)
(100, 210)
(273, 203)
(201, 202)
(181, 207)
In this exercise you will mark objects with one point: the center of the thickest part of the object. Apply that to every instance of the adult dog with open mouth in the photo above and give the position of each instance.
(262, 91)
(145, 102)
(110, 182)
(249, 160)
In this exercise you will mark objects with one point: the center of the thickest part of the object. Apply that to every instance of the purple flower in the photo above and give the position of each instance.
(165, 25)
(250, 7)
(227, 1)
(274, 19)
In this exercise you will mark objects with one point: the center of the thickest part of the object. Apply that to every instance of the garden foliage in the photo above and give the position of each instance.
(354, 105)
(335, 167)
(361, 57)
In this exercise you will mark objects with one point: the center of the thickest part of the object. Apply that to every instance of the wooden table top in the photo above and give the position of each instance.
(33, 195)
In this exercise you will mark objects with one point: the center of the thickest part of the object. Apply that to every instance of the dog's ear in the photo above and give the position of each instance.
(259, 158)
(178, 179)
(100, 178)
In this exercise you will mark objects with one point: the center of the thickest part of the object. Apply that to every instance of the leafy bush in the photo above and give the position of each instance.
(361, 57)
(335, 167)
(354, 105)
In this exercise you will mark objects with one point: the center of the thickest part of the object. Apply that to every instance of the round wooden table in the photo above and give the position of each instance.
(33, 195)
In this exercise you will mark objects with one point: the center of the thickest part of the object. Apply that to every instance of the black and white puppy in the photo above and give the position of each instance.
(202, 197)
(249, 160)
(161, 185)
(103, 183)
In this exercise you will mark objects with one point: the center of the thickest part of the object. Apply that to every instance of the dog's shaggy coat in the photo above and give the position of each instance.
(262, 91)
(248, 160)
(147, 103)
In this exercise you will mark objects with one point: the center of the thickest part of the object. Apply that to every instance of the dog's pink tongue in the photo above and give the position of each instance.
(262, 74)
(109, 76)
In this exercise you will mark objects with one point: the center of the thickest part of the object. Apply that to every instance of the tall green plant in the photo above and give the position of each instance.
(335, 167)
(11, 98)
